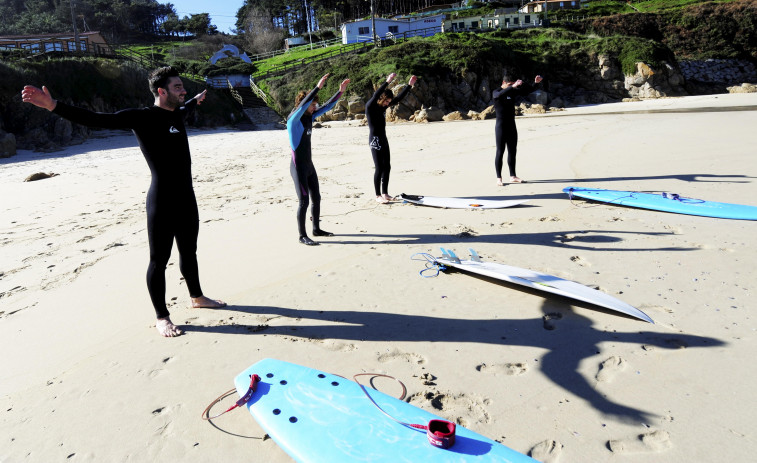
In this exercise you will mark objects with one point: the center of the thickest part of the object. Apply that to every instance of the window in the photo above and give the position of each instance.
(490, 24)
(8, 46)
(527, 19)
(474, 24)
(516, 20)
(496, 22)
(461, 25)
(394, 29)
(507, 21)
(364, 30)
(53, 46)
(30, 46)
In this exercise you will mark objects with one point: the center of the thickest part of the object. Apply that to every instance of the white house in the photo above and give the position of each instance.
(360, 31)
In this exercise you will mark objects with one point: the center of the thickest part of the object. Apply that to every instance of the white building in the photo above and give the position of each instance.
(360, 31)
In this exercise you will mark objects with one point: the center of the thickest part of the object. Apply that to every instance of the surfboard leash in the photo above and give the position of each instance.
(431, 264)
(254, 380)
(440, 433)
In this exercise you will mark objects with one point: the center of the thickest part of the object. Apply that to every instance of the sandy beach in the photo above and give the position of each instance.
(86, 377)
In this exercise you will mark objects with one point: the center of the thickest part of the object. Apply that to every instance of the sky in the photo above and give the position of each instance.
(223, 13)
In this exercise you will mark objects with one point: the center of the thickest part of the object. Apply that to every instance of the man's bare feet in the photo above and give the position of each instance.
(387, 197)
(381, 200)
(167, 329)
(203, 302)
(499, 182)
(516, 180)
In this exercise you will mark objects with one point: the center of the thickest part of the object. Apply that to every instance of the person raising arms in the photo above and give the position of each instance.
(505, 132)
(375, 115)
(300, 128)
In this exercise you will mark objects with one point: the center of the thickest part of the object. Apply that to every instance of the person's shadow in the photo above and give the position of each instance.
(568, 336)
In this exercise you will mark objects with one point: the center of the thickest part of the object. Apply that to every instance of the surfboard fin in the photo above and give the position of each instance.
(474, 255)
(453, 257)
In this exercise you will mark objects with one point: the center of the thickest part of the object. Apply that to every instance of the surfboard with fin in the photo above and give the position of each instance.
(536, 280)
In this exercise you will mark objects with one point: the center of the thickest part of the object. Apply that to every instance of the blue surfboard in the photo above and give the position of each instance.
(666, 202)
(319, 417)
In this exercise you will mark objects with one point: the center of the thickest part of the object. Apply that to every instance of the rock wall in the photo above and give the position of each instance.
(725, 71)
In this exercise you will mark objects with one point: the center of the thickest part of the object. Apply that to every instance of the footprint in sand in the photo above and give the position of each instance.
(465, 409)
(654, 441)
(335, 346)
(580, 261)
(406, 356)
(610, 368)
(547, 451)
(550, 319)
(510, 369)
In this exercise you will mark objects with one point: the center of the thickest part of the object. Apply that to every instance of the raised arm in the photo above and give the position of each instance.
(404, 91)
(332, 101)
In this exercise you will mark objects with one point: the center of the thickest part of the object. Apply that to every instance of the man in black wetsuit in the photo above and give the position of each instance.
(505, 131)
(375, 114)
(171, 204)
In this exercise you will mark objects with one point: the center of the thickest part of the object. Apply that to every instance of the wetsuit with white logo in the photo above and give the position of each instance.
(375, 114)
(299, 128)
(171, 204)
(505, 131)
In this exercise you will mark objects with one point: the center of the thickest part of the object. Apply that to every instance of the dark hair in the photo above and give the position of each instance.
(388, 94)
(301, 95)
(159, 78)
(507, 77)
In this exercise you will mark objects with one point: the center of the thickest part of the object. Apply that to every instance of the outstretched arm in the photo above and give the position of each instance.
(125, 119)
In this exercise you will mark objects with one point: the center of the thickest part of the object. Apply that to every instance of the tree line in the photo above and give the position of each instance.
(117, 20)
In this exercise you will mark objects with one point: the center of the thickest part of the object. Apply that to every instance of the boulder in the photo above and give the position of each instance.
(7, 144)
(455, 116)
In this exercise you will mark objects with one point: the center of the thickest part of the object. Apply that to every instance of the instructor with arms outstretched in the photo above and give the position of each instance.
(171, 204)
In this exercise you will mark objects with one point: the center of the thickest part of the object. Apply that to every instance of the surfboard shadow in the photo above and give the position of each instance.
(569, 338)
(570, 239)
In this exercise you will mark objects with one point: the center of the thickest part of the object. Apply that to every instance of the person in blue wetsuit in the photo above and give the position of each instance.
(300, 128)
(171, 204)
(375, 115)
(505, 131)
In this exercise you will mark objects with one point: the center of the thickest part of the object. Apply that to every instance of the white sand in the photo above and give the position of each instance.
(85, 376)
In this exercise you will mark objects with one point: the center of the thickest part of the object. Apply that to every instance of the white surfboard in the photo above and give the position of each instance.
(537, 280)
(318, 417)
(460, 203)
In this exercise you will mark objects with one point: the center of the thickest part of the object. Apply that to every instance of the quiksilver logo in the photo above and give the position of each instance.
(173, 130)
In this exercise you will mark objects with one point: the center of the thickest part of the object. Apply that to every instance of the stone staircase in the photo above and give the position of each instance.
(261, 116)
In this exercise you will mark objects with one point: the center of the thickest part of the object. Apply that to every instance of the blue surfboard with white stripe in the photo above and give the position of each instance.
(666, 202)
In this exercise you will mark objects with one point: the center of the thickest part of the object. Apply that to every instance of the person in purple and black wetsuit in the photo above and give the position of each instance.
(171, 204)
(299, 128)
(375, 110)
(505, 131)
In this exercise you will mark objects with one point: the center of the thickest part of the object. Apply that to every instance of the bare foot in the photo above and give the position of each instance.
(387, 197)
(499, 182)
(516, 180)
(203, 302)
(381, 200)
(167, 328)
